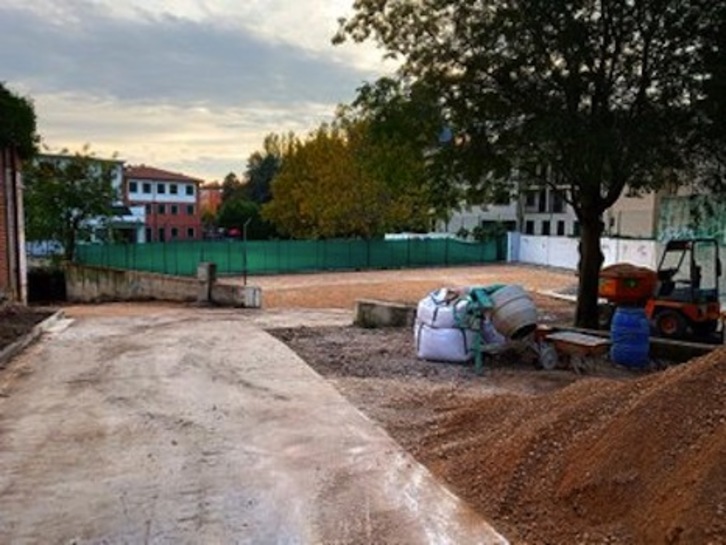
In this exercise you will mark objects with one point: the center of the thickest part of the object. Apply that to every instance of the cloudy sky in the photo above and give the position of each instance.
(186, 85)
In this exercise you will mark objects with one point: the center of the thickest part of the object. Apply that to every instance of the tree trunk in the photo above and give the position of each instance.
(591, 259)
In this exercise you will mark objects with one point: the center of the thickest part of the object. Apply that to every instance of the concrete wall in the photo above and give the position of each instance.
(633, 216)
(87, 284)
(564, 252)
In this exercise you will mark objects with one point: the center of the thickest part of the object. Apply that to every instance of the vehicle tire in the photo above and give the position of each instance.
(670, 324)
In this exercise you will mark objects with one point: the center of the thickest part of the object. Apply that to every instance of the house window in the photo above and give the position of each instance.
(174, 210)
(190, 232)
(162, 234)
(174, 233)
(190, 209)
(561, 228)
(529, 227)
(542, 200)
(161, 189)
(148, 234)
(173, 189)
(558, 202)
(546, 228)
(133, 187)
(190, 189)
(148, 209)
(576, 229)
(530, 199)
(146, 188)
(162, 209)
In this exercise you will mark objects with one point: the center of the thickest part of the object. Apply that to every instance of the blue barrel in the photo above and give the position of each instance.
(630, 334)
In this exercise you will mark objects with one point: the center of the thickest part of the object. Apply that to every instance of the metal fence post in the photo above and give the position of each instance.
(244, 242)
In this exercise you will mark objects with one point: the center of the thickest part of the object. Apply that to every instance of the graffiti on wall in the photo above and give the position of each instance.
(694, 216)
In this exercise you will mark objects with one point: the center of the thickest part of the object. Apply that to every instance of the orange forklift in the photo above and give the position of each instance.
(681, 299)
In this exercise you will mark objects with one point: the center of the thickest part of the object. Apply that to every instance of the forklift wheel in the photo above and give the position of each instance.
(670, 324)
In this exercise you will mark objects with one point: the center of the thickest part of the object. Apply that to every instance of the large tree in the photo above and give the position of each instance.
(63, 193)
(262, 168)
(17, 124)
(597, 94)
(404, 124)
(231, 187)
(339, 182)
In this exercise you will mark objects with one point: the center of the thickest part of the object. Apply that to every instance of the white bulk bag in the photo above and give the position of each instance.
(443, 344)
(438, 310)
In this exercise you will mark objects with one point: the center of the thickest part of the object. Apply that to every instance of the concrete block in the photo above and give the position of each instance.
(371, 313)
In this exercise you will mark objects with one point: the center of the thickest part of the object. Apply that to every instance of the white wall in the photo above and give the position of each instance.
(563, 251)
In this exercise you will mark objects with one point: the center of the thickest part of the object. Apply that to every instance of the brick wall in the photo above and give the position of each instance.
(12, 265)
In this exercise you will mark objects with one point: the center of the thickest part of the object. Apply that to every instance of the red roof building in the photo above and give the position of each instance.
(171, 200)
(210, 197)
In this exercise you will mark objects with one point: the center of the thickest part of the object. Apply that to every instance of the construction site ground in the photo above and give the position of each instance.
(613, 456)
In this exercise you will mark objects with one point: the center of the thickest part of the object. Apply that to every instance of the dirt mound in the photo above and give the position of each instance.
(598, 461)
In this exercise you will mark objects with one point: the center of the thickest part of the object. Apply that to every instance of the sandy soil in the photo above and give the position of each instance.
(340, 290)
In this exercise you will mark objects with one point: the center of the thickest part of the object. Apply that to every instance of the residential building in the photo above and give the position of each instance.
(170, 200)
(13, 270)
(545, 211)
(470, 217)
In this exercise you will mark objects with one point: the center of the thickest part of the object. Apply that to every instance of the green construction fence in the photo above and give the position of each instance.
(291, 256)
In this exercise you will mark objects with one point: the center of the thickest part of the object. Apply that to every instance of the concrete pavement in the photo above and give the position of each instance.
(189, 426)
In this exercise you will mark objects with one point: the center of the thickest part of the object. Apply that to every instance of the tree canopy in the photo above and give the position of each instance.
(262, 168)
(235, 212)
(17, 123)
(587, 95)
(340, 182)
(62, 193)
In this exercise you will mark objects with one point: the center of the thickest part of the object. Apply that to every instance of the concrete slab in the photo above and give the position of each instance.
(191, 427)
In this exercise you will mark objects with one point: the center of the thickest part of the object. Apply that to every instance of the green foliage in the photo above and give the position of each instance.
(235, 212)
(341, 182)
(262, 168)
(62, 193)
(488, 231)
(591, 96)
(231, 187)
(17, 123)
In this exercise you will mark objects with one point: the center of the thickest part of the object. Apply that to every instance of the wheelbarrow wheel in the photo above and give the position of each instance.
(547, 357)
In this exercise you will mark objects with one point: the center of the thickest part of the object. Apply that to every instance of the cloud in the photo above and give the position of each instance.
(179, 83)
(207, 142)
(164, 57)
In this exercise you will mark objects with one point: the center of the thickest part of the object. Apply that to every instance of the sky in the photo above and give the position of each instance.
(191, 86)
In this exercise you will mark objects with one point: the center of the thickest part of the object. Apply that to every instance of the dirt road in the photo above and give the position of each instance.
(185, 426)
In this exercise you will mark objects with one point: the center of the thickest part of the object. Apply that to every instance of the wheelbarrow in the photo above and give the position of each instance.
(580, 350)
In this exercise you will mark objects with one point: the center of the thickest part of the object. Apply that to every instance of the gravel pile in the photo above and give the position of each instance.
(599, 461)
